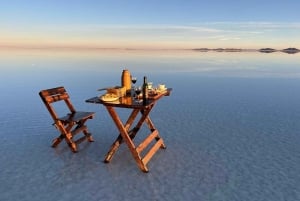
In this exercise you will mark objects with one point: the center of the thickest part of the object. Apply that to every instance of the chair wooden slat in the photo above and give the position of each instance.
(58, 97)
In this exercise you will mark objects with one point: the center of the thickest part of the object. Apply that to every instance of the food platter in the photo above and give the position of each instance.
(109, 97)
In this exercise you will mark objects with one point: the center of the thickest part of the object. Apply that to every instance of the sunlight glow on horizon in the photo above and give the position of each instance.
(205, 35)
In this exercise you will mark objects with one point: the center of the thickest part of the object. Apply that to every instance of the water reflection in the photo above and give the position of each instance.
(236, 64)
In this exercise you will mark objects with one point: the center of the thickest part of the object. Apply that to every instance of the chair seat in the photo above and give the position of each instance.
(77, 116)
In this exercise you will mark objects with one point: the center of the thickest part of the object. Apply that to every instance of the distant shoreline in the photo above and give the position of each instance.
(290, 50)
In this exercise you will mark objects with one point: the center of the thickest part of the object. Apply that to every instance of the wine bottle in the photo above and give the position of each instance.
(145, 91)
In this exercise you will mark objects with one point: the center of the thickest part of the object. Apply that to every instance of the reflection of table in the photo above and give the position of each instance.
(127, 134)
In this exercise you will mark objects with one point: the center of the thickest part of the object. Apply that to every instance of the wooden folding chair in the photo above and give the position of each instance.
(70, 124)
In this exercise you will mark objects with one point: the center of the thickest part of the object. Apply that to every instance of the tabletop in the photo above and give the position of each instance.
(130, 102)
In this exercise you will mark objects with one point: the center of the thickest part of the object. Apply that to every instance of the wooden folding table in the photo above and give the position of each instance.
(128, 132)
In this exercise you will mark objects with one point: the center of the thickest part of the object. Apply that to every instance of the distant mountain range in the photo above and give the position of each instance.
(290, 50)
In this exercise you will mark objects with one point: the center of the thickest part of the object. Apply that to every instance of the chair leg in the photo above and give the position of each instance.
(68, 137)
(57, 140)
(73, 147)
(70, 142)
(88, 135)
(90, 138)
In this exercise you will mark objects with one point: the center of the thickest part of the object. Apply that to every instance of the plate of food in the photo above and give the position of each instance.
(109, 97)
(161, 88)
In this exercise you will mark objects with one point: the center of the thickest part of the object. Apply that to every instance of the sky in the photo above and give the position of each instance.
(150, 24)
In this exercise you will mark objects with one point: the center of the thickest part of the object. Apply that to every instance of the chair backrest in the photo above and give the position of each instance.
(52, 95)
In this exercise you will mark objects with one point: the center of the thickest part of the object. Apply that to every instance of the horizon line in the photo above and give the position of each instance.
(76, 47)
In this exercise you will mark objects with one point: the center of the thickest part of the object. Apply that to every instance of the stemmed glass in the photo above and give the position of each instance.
(138, 91)
(133, 80)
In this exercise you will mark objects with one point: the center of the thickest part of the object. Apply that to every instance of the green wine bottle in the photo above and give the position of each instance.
(145, 91)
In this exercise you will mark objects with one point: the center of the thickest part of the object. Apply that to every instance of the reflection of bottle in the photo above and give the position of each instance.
(145, 91)
(126, 80)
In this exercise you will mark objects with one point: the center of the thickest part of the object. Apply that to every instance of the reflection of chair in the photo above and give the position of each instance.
(66, 123)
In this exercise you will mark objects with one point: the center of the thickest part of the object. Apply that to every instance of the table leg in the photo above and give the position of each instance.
(152, 128)
(125, 135)
(114, 147)
(128, 135)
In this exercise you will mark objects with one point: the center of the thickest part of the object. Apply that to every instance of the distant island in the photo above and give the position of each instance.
(267, 50)
(290, 50)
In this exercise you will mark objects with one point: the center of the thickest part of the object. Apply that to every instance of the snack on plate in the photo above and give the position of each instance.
(118, 90)
(108, 97)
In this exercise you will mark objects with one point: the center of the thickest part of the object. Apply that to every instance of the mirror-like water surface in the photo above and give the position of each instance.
(231, 127)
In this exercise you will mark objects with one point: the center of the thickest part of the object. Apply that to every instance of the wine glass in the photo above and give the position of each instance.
(138, 91)
(133, 80)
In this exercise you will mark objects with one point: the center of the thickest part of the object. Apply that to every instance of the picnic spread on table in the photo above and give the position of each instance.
(140, 100)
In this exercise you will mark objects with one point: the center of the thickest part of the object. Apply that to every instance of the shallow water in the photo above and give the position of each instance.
(231, 127)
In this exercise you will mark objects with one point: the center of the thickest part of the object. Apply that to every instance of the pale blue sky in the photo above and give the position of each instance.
(151, 23)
